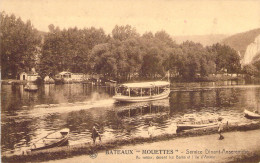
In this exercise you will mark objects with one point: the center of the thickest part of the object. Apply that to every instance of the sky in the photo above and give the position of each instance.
(176, 17)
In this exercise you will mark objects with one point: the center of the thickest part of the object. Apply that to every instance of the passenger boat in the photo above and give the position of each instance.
(190, 122)
(143, 91)
(251, 115)
(55, 139)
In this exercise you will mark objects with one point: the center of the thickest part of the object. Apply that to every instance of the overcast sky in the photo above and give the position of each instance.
(176, 17)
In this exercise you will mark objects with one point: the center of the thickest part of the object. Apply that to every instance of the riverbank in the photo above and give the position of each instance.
(215, 79)
(87, 148)
(235, 147)
(23, 82)
(13, 81)
(113, 83)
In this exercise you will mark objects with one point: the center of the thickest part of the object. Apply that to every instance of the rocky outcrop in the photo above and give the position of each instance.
(240, 41)
(252, 51)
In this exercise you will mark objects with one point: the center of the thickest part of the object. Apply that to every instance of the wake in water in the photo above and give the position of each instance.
(96, 100)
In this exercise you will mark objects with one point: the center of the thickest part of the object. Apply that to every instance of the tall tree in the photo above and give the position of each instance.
(69, 49)
(19, 45)
(124, 32)
(226, 58)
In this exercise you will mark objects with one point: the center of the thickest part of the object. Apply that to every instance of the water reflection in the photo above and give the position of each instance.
(27, 116)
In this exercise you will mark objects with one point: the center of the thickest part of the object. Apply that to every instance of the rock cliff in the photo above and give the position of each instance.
(241, 41)
(252, 51)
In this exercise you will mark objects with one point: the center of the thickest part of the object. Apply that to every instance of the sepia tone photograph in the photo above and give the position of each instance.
(130, 81)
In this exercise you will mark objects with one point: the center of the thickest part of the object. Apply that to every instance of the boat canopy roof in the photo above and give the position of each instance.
(146, 84)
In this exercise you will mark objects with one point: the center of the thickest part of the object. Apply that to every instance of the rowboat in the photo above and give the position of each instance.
(55, 139)
(251, 115)
(189, 122)
(143, 91)
(30, 88)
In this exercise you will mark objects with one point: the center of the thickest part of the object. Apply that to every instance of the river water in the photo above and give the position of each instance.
(28, 116)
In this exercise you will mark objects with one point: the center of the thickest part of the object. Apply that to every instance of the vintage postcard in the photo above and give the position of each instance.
(130, 81)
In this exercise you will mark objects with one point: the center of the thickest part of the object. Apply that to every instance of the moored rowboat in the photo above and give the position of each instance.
(31, 88)
(55, 139)
(189, 122)
(251, 115)
(195, 125)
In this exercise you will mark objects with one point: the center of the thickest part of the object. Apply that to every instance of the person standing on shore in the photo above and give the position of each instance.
(151, 129)
(220, 128)
(95, 134)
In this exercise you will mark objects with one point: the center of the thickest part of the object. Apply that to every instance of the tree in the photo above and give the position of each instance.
(102, 60)
(165, 38)
(124, 32)
(69, 49)
(19, 45)
(152, 64)
(226, 58)
(251, 70)
(257, 65)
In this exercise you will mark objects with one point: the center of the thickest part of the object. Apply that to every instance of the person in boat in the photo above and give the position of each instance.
(95, 134)
(220, 128)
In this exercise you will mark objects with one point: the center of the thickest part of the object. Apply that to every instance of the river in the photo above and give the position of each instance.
(28, 116)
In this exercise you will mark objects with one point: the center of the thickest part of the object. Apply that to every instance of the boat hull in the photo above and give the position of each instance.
(63, 142)
(181, 127)
(31, 88)
(251, 115)
(55, 142)
(142, 99)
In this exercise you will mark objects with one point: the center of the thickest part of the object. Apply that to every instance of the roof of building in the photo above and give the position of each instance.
(29, 73)
(146, 84)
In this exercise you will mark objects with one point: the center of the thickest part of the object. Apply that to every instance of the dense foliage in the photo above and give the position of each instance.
(19, 45)
(122, 55)
(68, 50)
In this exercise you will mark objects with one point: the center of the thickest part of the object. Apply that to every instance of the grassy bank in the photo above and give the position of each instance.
(70, 151)
(214, 79)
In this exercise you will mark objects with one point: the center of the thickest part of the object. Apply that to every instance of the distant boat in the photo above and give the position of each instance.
(55, 139)
(190, 122)
(251, 115)
(31, 88)
(143, 91)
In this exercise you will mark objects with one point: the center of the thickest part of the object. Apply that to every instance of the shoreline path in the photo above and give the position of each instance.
(247, 142)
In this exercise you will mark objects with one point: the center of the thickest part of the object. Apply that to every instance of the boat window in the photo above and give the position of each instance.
(154, 91)
(146, 92)
(134, 92)
(123, 91)
(161, 89)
